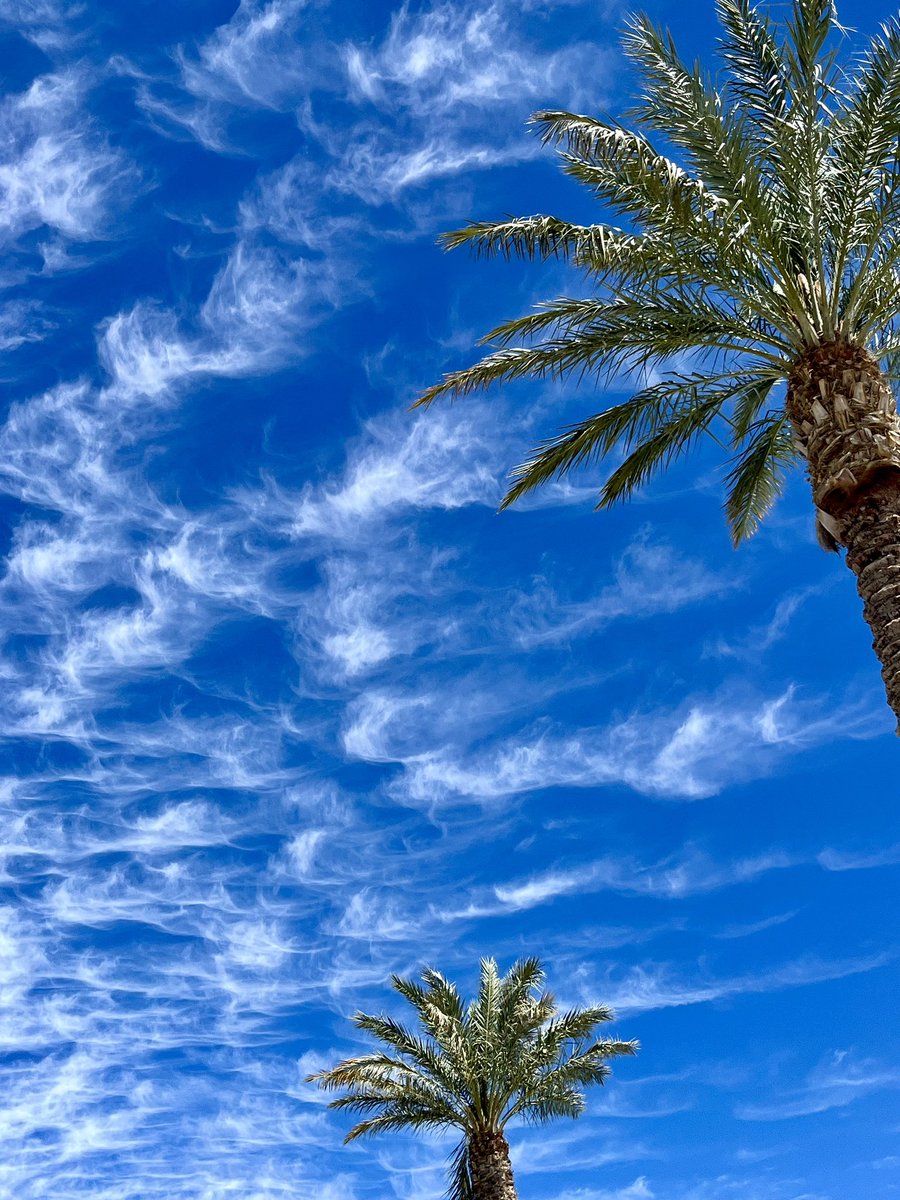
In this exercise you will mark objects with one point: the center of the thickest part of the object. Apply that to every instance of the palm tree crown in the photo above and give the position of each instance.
(765, 252)
(474, 1068)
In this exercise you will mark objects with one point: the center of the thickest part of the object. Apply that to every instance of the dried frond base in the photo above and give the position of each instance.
(844, 419)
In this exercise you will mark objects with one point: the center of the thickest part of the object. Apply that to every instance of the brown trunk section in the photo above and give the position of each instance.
(871, 533)
(845, 423)
(492, 1177)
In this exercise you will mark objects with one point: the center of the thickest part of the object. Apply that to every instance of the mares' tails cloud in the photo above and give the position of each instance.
(288, 708)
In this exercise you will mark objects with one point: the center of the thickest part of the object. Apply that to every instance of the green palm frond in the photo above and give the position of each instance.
(672, 210)
(629, 334)
(664, 324)
(810, 23)
(394, 1034)
(400, 1100)
(597, 436)
(375, 1069)
(368, 1086)
(437, 1004)
(522, 978)
(654, 427)
(483, 1014)
(757, 475)
(864, 187)
(877, 296)
(393, 1122)
(551, 1105)
(686, 108)
(624, 170)
(691, 112)
(668, 442)
(578, 1023)
(687, 226)
(516, 1004)
(444, 996)
(544, 237)
(581, 1066)
(750, 395)
(460, 1173)
(866, 126)
(757, 76)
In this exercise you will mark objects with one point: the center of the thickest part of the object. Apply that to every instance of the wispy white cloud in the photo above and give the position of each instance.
(376, 170)
(446, 55)
(653, 987)
(57, 169)
(255, 57)
(283, 274)
(762, 1185)
(580, 1148)
(479, 64)
(459, 59)
(144, 353)
(288, 204)
(687, 754)
(541, 616)
(436, 461)
(258, 304)
(748, 928)
(474, 62)
(845, 860)
(760, 638)
(49, 24)
(258, 307)
(381, 590)
(56, 454)
(840, 1080)
(639, 1190)
(21, 321)
(691, 874)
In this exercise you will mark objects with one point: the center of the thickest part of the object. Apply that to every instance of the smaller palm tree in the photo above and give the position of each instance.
(474, 1068)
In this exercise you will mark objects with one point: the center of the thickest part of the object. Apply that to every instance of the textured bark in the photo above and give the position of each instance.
(492, 1177)
(845, 423)
(871, 533)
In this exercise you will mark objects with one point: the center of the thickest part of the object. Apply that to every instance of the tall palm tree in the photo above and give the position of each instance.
(475, 1068)
(754, 283)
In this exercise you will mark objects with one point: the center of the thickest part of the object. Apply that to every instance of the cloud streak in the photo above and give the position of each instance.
(835, 1083)
(650, 988)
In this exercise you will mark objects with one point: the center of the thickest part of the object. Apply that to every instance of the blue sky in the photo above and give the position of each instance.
(287, 706)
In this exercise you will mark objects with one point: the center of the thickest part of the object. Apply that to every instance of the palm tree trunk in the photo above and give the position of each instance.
(492, 1177)
(844, 420)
